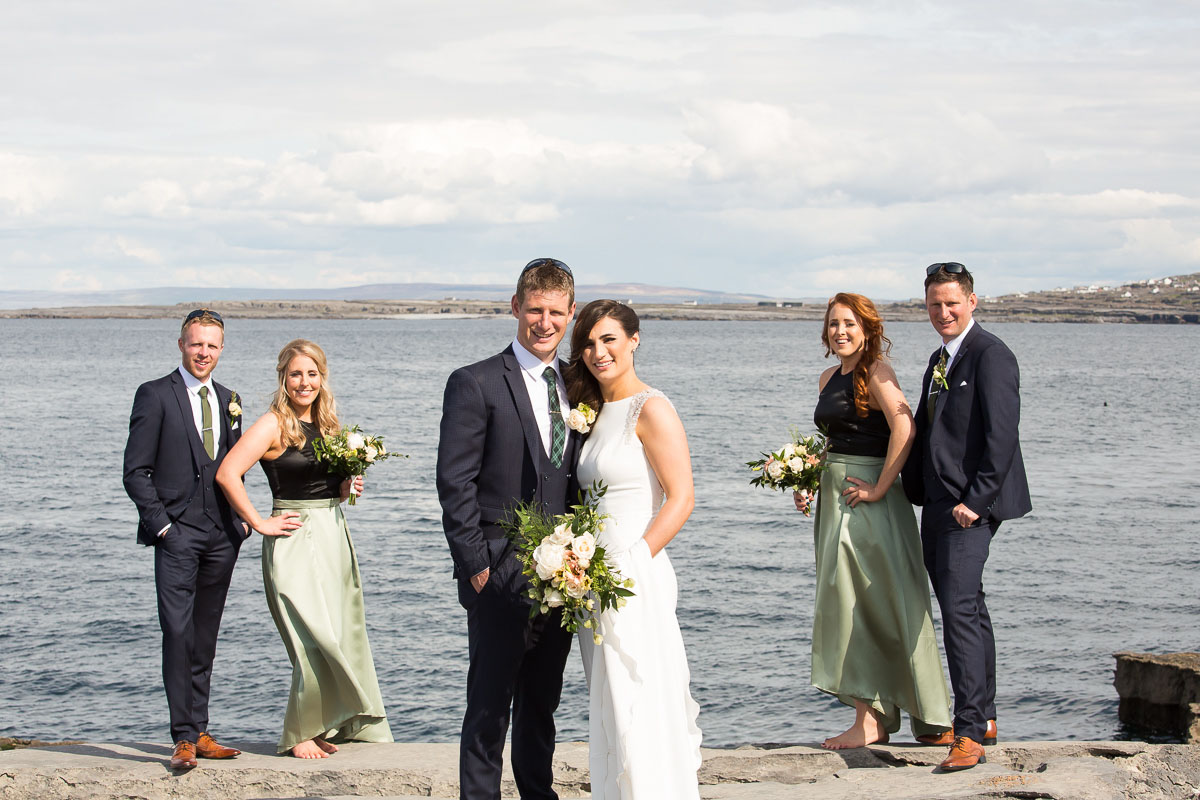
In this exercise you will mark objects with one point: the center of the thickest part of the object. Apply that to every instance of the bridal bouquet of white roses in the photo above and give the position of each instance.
(349, 452)
(566, 568)
(797, 466)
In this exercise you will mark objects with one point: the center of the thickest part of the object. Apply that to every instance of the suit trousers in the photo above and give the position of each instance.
(517, 662)
(193, 564)
(954, 558)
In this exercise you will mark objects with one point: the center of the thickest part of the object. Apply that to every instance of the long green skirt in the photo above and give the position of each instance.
(315, 595)
(873, 637)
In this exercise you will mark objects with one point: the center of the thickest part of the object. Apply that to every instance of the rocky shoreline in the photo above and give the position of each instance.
(1167, 301)
(1060, 770)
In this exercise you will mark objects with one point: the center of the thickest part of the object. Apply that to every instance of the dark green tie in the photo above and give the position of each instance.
(210, 446)
(934, 388)
(558, 426)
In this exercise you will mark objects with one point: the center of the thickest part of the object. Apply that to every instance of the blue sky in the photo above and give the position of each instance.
(791, 149)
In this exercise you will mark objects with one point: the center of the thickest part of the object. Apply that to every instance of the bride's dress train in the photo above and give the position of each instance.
(645, 744)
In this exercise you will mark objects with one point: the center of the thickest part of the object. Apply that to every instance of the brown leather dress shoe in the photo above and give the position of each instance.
(184, 756)
(964, 754)
(207, 747)
(946, 738)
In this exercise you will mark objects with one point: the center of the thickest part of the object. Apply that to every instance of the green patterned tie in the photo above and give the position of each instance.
(558, 426)
(935, 387)
(210, 446)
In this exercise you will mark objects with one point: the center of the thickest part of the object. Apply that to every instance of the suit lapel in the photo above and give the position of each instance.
(959, 358)
(189, 419)
(520, 396)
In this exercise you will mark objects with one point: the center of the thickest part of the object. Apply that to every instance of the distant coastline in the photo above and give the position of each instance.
(1172, 300)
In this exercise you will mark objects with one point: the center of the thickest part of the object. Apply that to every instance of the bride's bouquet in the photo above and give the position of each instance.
(566, 568)
(349, 452)
(796, 466)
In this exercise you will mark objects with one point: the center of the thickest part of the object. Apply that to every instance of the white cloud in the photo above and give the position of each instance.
(762, 147)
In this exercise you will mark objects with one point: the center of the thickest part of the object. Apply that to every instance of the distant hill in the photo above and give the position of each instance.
(172, 295)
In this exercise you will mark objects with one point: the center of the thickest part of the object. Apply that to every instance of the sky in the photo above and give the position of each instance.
(787, 149)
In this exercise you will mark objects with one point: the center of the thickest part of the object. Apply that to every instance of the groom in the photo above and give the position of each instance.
(504, 441)
(180, 429)
(966, 472)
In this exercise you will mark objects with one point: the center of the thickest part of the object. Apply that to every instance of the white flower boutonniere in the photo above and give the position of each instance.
(581, 417)
(235, 408)
(939, 373)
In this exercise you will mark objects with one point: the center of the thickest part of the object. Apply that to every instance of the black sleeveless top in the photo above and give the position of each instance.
(297, 475)
(850, 434)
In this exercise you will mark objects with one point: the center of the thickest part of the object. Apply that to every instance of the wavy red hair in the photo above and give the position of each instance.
(875, 344)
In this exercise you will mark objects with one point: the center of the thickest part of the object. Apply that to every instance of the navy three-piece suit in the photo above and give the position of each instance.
(170, 478)
(490, 458)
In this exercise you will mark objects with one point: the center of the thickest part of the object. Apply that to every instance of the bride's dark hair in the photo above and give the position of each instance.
(582, 386)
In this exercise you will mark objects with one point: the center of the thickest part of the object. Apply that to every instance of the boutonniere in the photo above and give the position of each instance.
(235, 408)
(581, 417)
(939, 373)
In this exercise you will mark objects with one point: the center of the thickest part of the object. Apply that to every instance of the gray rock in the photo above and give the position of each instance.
(1053, 770)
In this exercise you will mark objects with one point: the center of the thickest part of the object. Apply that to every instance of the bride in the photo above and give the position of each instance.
(644, 742)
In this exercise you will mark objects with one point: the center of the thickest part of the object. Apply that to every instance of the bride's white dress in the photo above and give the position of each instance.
(645, 744)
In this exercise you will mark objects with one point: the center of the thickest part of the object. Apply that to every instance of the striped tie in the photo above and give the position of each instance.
(210, 446)
(558, 426)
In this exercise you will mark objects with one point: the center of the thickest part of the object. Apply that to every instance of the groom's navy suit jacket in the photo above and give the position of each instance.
(167, 473)
(491, 457)
(972, 443)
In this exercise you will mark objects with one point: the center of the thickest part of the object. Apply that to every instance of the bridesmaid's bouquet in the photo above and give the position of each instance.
(349, 452)
(566, 568)
(796, 466)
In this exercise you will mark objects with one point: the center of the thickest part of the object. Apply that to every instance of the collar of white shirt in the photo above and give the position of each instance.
(955, 343)
(193, 383)
(533, 365)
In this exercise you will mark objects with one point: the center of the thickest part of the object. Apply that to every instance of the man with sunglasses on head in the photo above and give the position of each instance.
(180, 429)
(504, 441)
(965, 470)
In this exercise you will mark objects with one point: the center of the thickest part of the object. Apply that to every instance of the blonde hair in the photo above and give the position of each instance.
(324, 407)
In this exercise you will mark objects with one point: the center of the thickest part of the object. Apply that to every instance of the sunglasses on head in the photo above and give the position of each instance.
(201, 312)
(548, 262)
(953, 267)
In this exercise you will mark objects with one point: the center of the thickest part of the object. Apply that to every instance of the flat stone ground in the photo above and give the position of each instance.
(1066, 770)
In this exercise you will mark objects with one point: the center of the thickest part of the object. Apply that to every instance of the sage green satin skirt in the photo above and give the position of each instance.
(873, 637)
(315, 595)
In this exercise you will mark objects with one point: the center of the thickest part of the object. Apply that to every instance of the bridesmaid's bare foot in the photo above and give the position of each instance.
(324, 745)
(865, 730)
(309, 749)
(854, 737)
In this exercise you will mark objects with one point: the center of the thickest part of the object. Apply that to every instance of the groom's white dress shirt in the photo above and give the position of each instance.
(532, 368)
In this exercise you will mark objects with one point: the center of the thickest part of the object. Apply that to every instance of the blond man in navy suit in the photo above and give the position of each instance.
(180, 429)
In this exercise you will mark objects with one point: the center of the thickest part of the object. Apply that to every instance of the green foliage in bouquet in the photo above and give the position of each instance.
(566, 568)
(350, 451)
(797, 466)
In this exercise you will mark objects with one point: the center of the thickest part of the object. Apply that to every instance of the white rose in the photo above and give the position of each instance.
(562, 535)
(789, 450)
(584, 547)
(355, 441)
(796, 464)
(775, 470)
(577, 588)
(577, 421)
(548, 558)
(553, 598)
(370, 454)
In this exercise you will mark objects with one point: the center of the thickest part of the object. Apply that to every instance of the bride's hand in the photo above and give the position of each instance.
(860, 492)
(282, 525)
(358, 486)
